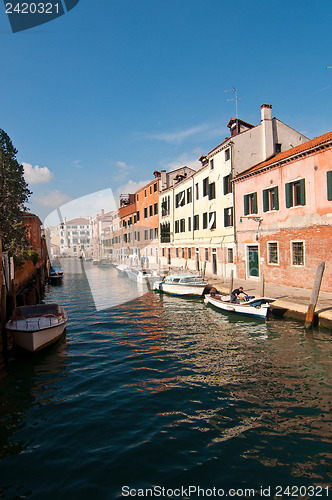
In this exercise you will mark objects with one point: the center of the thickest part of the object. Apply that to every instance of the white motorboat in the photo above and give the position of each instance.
(182, 284)
(122, 269)
(255, 306)
(140, 275)
(35, 327)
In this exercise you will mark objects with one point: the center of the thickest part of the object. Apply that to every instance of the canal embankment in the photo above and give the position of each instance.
(291, 302)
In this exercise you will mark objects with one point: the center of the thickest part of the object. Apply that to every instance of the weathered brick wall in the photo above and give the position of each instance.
(318, 248)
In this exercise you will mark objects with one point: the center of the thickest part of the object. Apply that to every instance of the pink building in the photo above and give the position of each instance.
(283, 216)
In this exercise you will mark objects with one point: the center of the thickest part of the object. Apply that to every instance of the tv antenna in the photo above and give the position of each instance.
(236, 98)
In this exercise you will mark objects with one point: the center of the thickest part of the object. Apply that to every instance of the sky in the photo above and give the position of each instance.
(96, 100)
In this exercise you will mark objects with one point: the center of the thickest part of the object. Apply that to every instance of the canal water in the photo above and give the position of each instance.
(163, 392)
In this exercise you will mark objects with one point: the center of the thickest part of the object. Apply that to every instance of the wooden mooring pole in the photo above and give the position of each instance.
(231, 283)
(314, 295)
(263, 286)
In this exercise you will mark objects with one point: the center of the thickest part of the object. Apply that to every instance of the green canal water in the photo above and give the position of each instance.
(163, 392)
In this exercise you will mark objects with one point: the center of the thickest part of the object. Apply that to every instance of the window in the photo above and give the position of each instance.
(176, 226)
(138, 235)
(329, 185)
(205, 220)
(145, 212)
(189, 223)
(189, 195)
(182, 253)
(137, 213)
(182, 226)
(212, 220)
(150, 189)
(197, 191)
(250, 204)
(180, 199)
(205, 186)
(145, 193)
(295, 193)
(297, 253)
(189, 253)
(230, 255)
(155, 187)
(273, 254)
(270, 199)
(155, 233)
(163, 252)
(155, 209)
(196, 222)
(206, 254)
(135, 219)
(212, 191)
(228, 217)
(137, 197)
(211, 164)
(228, 184)
(165, 233)
(150, 210)
(146, 234)
(227, 154)
(177, 253)
(278, 148)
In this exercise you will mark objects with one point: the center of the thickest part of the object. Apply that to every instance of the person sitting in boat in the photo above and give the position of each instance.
(235, 294)
(213, 292)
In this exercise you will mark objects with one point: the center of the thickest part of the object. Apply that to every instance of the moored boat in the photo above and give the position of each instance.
(182, 284)
(256, 306)
(55, 274)
(122, 269)
(140, 275)
(35, 327)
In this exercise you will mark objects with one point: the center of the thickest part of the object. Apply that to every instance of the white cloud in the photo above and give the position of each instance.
(37, 175)
(177, 136)
(86, 206)
(130, 187)
(53, 199)
(77, 164)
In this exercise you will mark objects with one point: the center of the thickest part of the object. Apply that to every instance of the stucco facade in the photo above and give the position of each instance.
(197, 229)
(285, 229)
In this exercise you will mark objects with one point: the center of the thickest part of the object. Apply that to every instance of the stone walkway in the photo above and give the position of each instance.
(293, 300)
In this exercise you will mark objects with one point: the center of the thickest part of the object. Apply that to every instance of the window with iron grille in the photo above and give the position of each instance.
(230, 255)
(273, 253)
(298, 253)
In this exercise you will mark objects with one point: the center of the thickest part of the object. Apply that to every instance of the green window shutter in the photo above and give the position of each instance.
(255, 204)
(302, 191)
(289, 194)
(265, 200)
(246, 204)
(329, 185)
(276, 198)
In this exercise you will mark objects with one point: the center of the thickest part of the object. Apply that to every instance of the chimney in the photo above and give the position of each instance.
(163, 180)
(267, 131)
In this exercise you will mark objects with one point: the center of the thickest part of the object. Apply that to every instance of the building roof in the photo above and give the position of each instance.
(78, 222)
(286, 156)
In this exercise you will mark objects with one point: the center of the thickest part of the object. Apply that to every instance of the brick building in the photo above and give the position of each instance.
(284, 216)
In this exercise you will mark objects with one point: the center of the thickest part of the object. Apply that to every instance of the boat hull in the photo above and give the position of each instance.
(37, 340)
(180, 289)
(35, 327)
(254, 308)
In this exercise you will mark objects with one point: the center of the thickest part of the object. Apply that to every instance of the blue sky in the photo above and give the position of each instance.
(104, 95)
